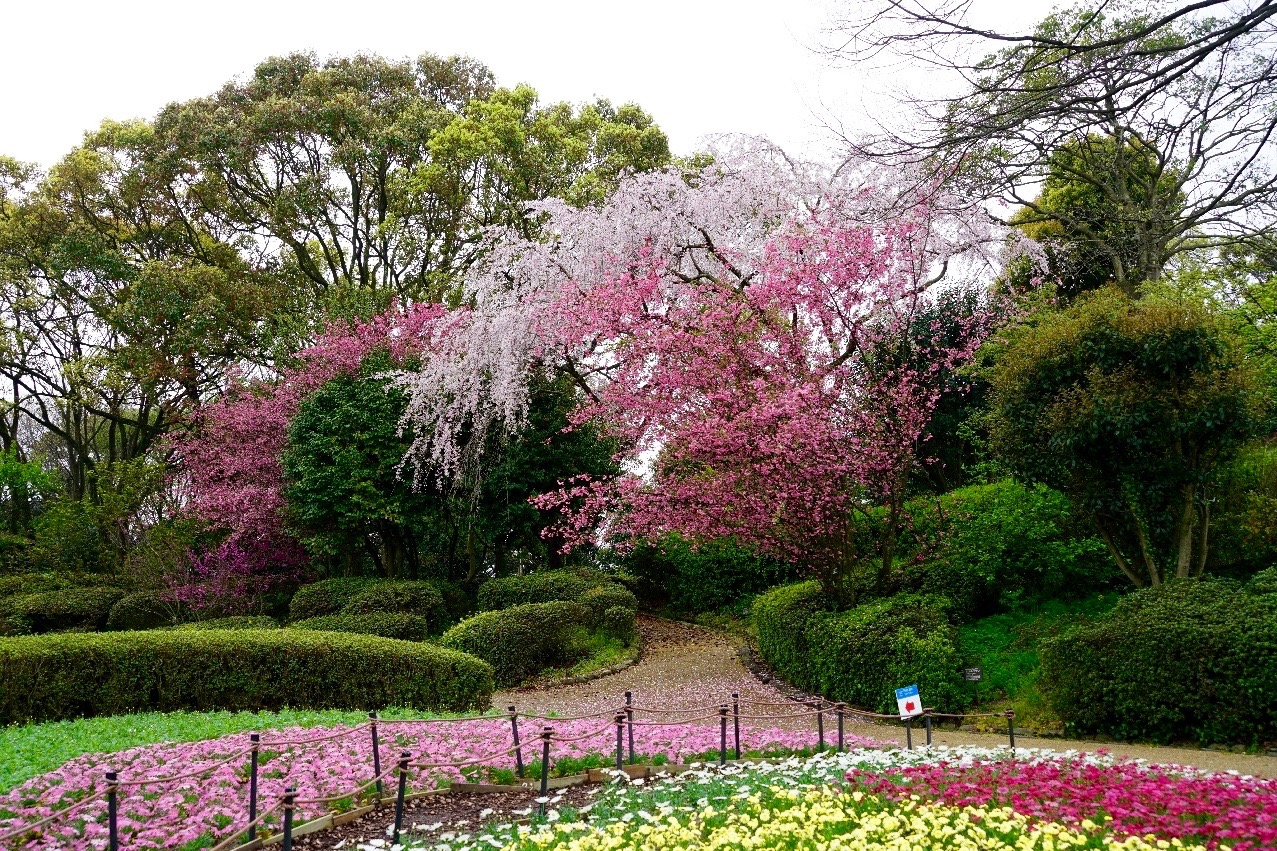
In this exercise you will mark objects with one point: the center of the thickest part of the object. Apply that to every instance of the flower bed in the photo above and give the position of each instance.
(198, 811)
(939, 799)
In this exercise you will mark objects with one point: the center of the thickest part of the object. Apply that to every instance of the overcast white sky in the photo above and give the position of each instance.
(699, 67)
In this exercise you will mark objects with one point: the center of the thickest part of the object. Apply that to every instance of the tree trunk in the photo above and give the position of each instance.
(1184, 533)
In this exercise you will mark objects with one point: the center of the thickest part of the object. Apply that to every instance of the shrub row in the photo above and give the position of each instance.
(861, 655)
(68, 609)
(437, 603)
(1192, 660)
(146, 610)
(596, 593)
(51, 677)
(233, 622)
(401, 625)
(711, 576)
(522, 640)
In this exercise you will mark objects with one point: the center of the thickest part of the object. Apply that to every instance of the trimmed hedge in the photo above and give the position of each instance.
(598, 601)
(1192, 660)
(70, 608)
(417, 598)
(22, 584)
(862, 655)
(705, 577)
(401, 625)
(327, 597)
(146, 610)
(781, 616)
(234, 622)
(544, 586)
(53, 677)
(522, 640)
(618, 623)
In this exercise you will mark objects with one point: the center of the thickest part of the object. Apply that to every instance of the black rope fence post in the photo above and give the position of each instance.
(546, 733)
(629, 716)
(620, 741)
(376, 753)
(926, 719)
(255, 745)
(518, 751)
(840, 709)
(736, 720)
(403, 787)
(113, 810)
(290, 795)
(820, 725)
(1011, 727)
(909, 732)
(722, 734)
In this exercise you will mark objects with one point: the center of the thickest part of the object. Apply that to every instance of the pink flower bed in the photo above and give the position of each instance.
(1136, 799)
(215, 805)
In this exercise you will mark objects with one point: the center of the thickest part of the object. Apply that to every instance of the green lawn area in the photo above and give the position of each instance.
(1006, 647)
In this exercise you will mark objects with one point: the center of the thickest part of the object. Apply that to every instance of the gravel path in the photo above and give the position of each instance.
(684, 666)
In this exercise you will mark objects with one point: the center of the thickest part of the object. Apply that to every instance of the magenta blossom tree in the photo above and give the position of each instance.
(729, 327)
(233, 458)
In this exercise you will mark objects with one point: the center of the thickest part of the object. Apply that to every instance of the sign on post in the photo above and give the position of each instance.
(972, 675)
(909, 702)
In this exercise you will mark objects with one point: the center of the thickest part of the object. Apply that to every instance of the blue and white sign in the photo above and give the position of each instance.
(909, 702)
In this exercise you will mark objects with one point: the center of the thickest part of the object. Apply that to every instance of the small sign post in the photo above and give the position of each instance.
(909, 702)
(973, 676)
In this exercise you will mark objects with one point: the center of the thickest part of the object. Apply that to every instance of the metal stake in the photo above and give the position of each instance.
(113, 810)
(620, 741)
(546, 733)
(290, 795)
(909, 733)
(518, 751)
(1011, 727)
(403, 787)
(376, 753)
(736, 720)
(926, 719)
(820, 724)
(722, 734)
(255, 740)
(840, 709)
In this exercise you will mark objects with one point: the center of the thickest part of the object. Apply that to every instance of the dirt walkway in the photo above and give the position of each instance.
(684, 666)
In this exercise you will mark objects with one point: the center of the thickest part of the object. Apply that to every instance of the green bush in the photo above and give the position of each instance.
(1001, 547)
(598, 601)
(70, 608)
(1192, 660)
(146, 610)
(1264, 582)
(781, 616)
(401, 625)
(545, 586)
(618, 623)
(327, 597)
(714, 575)
(417, 598)
(53, 677)
(21, 584)
(522, 640)
(234, 622)
(861, 656)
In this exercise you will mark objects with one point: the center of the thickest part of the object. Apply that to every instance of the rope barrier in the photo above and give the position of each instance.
(59, 814)
(148, 781)
(293, 742)
(236, 837)
(715, 717)
(810, 714)
(605, 714)
(351, 793)
(637, 708)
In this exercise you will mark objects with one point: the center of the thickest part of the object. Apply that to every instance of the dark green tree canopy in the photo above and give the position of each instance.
(1127, 407)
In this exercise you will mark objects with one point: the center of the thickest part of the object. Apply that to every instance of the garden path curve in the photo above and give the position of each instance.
(689, 666)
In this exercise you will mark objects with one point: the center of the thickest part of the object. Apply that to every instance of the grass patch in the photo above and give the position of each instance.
(600, 652)
(1006, 648)
(30, 749)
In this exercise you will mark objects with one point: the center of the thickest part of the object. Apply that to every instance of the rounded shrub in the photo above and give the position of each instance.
(598, 600)
(327, 597)
(544, 586)
(401, 625)
(68, 609)
(52, 677)
(417, 598)
(712, 575)
(861, 656)
(619, 622)
(234, 622)
(780, 617)
(1192, 660)
(21, 584)
(522, 640)
(146, 610)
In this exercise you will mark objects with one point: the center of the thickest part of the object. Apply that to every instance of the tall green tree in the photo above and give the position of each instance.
(1128, 408)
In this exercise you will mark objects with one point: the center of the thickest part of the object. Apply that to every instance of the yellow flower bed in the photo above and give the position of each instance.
(823, 818)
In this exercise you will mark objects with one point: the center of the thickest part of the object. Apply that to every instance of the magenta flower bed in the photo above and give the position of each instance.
(1136, 799)
(197, 811)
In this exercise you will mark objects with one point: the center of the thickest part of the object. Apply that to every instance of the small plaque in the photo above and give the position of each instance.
(973, 675)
